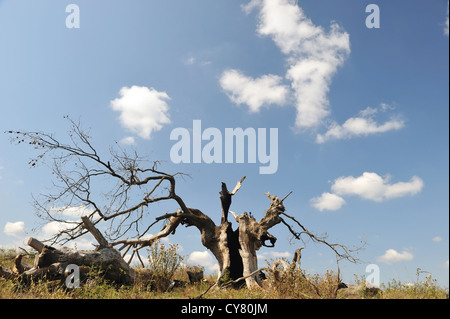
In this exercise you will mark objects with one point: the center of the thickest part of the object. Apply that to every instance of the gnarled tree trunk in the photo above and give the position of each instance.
(234, 250)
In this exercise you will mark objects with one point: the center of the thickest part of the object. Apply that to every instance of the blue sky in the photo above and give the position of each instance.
(361, 113)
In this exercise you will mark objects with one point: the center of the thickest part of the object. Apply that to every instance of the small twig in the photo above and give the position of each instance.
(286, 196)
(201, 296)
(139, 257)
(229, 283)
(241, 278)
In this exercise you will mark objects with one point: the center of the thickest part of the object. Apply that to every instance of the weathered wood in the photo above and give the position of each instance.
(225, 198)
(36, 244)
(234, 250)
(103, 243)
(253, 235)
(54, 261)
(19, 265)
(35, 274)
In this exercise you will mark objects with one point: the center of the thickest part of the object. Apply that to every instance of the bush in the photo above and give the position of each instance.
(163, 262)
(293, 283)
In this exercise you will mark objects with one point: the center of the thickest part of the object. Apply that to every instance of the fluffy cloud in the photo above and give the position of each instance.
(328, 201)
(203, 258)
(376, 188)
(313, 55)
(54, 227)
(369, 186)
(16, 229)
(255, 93)
(129, 140)
(142, 110)
(362, 125)
(392, 256)
(66, 217)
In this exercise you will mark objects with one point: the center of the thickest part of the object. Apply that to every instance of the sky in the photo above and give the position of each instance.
(346, 105)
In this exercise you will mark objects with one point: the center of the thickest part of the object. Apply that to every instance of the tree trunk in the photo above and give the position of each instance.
(253, 235)
(234, 250)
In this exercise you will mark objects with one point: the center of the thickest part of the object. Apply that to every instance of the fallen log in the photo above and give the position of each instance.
(51, 263)
(35, 244)
(54, 262)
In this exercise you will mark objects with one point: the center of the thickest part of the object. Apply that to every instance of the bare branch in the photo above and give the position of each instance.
(238, 186)
(80, 175)
(341, 251)
(225, 198)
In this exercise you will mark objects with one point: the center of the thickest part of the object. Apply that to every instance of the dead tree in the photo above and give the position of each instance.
(81, 174)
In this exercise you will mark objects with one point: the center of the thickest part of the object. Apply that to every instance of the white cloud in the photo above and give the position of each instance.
(369, 186)
(255, 93)
(313, 55)
(72, 211)
(327, 201)
(392, 256)
(16, 229)
(129, 140)
(203, 258)
(52, 228)
(362, 125)
(142, 110)
(67, 217)
(446, 264)
(374, 187)
(437, 239)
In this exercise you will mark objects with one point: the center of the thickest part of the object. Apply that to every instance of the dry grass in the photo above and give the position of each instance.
(293, 284)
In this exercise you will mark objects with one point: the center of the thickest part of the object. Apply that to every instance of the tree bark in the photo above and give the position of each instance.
(52, 261)
(103, 243)
(36, 244)
(253, 235)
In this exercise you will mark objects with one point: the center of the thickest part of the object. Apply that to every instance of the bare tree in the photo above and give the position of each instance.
(133, 183)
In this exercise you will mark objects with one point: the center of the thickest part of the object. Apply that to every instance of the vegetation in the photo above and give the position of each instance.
(117, 189)
(167, 264)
